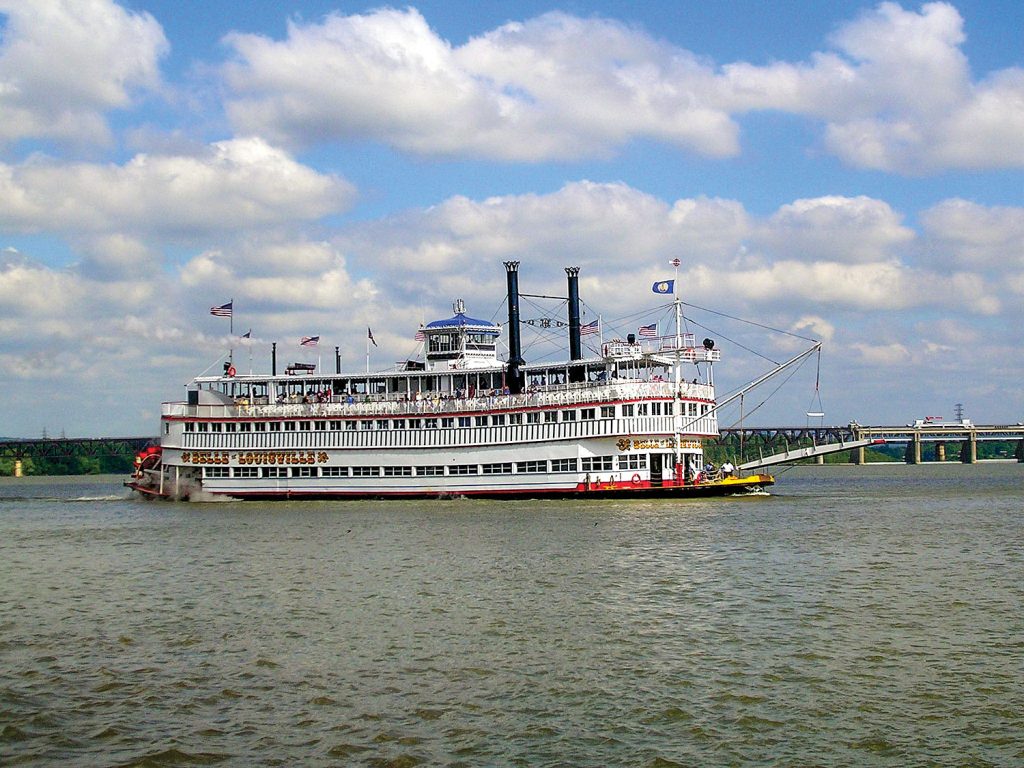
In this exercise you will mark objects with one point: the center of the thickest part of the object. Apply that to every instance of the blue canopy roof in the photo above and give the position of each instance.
(460, 321)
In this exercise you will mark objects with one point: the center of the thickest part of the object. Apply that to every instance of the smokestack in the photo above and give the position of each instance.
(337, 359)
(514, 378)
(273, 359)
(575, 341)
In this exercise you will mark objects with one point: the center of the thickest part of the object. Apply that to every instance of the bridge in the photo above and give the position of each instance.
(773, 445)
(64, 448)
(794, 442)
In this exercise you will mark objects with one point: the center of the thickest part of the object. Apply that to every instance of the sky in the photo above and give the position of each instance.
(843, 171)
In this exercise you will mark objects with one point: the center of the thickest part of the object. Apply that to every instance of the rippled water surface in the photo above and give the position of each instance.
(857, 616)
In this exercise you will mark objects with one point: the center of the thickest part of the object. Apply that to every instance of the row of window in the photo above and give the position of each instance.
(448, 422)
(631, 463)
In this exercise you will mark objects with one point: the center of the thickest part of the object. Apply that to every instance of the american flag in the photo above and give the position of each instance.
(649, 331)
(421, 334)
(224, 310)
(589, 328)
(309, 341)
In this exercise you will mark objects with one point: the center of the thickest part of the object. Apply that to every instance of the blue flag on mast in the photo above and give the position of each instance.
(664, 286)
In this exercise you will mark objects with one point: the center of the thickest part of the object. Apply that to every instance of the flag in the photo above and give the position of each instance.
(224, 310)
(247, 334)
(664, 286)
(675, 263)
(369, 336)
(309, 341)
(589, 328)
(421, 334)
(649, 331)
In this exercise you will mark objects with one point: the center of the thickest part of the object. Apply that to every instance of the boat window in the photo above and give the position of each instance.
(447, 422)
(432, 423)
(596, 464)
(203, 426)
(481, 421)
(260, 426)
(415, 423)
(533, 417)
(531, 466)
(274, 471)
(399, 424)
(587, 414)
(568, 415)
(216, 471)
(215, 427)
(304, 472)
(334, 471)
(190, 426)
(246, 471)
(641, 409)
(496, 469)
(550, 416)
(382, 423)
(245, 426)
(397, 471)
(607, 411)
(515, 418)
(350, 425)
(464, 421)
(275, 426)
(365, 471)
(633, 461)
(366, 425)
(627, 410)
(289, 426)
(463, 469)
(305, 426)
(434, 470)
(655, 409)
(563, 465)
(498, 419)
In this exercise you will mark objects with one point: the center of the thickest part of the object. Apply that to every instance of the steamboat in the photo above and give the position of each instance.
(624, 422)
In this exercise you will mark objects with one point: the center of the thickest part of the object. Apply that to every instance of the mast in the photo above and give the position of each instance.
(677, 416)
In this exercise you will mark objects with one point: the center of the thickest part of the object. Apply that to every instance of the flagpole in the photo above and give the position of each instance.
(367, 350)
(677, 411)
(231, 331)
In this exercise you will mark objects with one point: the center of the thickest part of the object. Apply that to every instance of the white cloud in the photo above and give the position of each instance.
(834, 228)
(975, 236)
(64, 63)
(562, 87)
(234, 185)
(553, 87)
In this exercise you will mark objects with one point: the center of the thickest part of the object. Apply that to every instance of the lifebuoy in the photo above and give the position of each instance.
(231, 370)
(636, 479)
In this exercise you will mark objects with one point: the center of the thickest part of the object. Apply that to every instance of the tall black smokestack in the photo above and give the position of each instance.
(575, 341)
(337, 359)
(273, 359)
(514, 377)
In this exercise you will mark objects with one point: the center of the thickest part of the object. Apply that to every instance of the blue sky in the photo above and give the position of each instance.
(846, 171)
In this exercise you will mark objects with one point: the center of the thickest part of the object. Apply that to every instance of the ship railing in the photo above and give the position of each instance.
(432, 403)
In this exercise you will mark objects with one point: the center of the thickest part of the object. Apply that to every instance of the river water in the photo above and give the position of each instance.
(857, 616)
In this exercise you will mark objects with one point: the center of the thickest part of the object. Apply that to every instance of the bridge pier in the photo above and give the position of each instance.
(913, 454)
(857, 456)
(969, 450)
(940, 451)
(1020, 452)
(18, 471)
